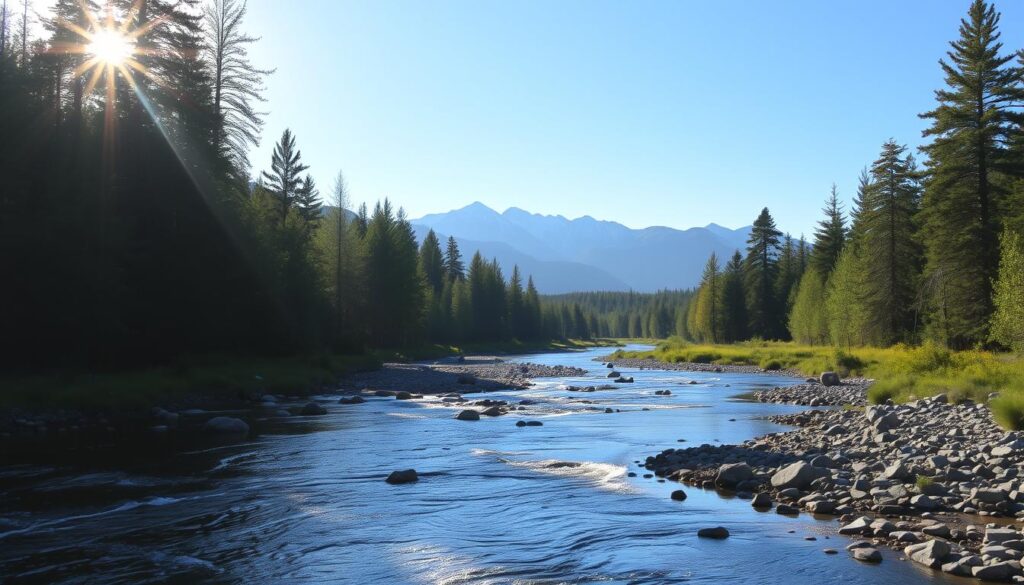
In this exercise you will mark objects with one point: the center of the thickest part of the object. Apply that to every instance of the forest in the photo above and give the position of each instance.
(135, 229)
(928, 252)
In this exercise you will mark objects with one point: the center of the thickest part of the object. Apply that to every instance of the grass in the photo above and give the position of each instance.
(903, 373)
(210, 377)
(227, 377)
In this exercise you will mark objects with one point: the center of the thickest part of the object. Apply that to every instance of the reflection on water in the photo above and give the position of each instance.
(306, 501)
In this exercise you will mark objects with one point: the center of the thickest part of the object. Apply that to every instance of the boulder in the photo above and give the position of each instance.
(492, 411)
(678, 495)
(797, 475)
(866, 554)
(923, 502)
(226, 425)
(861, 525)
(829, 379)
(404, 476)
(821, 507)
(731, 474)
(761, 500)
(613, 374)
(717, 533)
(996, 572)
(403, 395)
(786, 509)
(313, 409)
(352, 400)
(897, 471)
(1000, 535)
(468, 415)
(929, 554)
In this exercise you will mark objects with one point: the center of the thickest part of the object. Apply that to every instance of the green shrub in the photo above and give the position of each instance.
(1008, 410)
(771, 365)
(923, 482)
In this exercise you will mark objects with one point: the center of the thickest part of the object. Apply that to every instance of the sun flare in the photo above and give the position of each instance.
(110, 47)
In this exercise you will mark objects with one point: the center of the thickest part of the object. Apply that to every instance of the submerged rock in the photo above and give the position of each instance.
(468, 415)
(313, 409)
(226, 425)
(718, 533)
(404, 476)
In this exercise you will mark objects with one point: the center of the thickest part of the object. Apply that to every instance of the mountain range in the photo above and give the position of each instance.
(584, 254)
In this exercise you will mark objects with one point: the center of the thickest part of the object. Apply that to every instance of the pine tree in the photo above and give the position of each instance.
(856, 219)
(1008, 319)
(432, 262)
(708, 318)
(789, 274)
(532, 311)
(453, 265)
(886, 222)
(362, 222)
(847, 321)
(976, 116)
(830, 236)
(808, 321)
(516, 306)
(761, 269)
(734, 307)
(237, 84)
(307, 201)
(284, 179)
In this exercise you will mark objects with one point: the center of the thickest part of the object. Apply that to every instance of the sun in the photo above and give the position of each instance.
(110, 47)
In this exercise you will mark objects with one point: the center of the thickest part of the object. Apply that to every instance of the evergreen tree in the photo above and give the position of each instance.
(886, 222)
(516, 307)
(808, 321)
(284, 179)
(307, 201)
(734, 308)
(847, 322)
(761, 269)
(453, 265)
(789, 274)
(362, 222)
(976, 116)
(237, 84)
(830, 236)
(709, 318)
(532, 311)
(432, 262)
(1008, 319)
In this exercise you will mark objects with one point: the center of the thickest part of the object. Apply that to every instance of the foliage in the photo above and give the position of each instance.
(830, 236)
(1008, 320)
(763, 308)
(808, 321)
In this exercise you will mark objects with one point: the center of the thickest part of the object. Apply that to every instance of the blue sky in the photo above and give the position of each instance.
(648, 113)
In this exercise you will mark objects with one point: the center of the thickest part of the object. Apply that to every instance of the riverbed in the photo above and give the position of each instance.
(305, 500)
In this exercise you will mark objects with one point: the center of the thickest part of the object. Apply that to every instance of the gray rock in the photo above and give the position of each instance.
(938, 530)
(996, 572)
(797, 475)
(717, 533)
(761, 500)
(786, 509)
(404, 476)
(923, 502)
(861, 525)
(897, 471)
(678, 495)
(829, 379)
(929, 554)
(866, 555)
(226, 425)
(731, 474)
(352, 400)
(313, 409)
(1000, 535)
(468, 415)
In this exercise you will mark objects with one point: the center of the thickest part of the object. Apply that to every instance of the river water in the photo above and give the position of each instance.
(305, 501)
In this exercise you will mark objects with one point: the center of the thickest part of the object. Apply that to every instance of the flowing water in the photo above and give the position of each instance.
(305, 502)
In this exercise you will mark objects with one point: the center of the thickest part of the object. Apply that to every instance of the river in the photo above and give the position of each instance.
(305, 501)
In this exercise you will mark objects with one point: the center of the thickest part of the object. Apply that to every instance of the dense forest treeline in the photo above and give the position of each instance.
(132, 231)
(928, 252)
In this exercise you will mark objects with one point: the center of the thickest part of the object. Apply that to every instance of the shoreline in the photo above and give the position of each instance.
(920, 478)
(653, 364)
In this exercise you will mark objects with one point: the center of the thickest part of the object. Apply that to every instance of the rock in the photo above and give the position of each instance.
(929, 554)
(1000, 535)
(830, 551)
(786, 509)
(404, 476)
(861, 525)
(996, 572)
(312, 409)
(403, 395)
(678, 495)
(866, 555)
(352, 400)
(731, 474)
(226, 425)
(897, 471)
(988, 496)
(829, 379)
(492, 411)
(821, 507)
(468, 415)
(534, 423)
(624, 380)
(938, 530)
(717, 533)
(923, 502)
(797, 475)
(761, 500)
(613, 374)
(464, 379)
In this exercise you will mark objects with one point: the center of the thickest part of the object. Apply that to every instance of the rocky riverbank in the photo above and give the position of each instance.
(853, 391)
(480, 374)
(919, 477)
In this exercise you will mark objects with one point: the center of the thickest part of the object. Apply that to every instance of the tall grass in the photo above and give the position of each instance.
(902, 372)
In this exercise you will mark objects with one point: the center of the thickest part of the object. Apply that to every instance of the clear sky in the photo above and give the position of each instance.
(671, 113)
